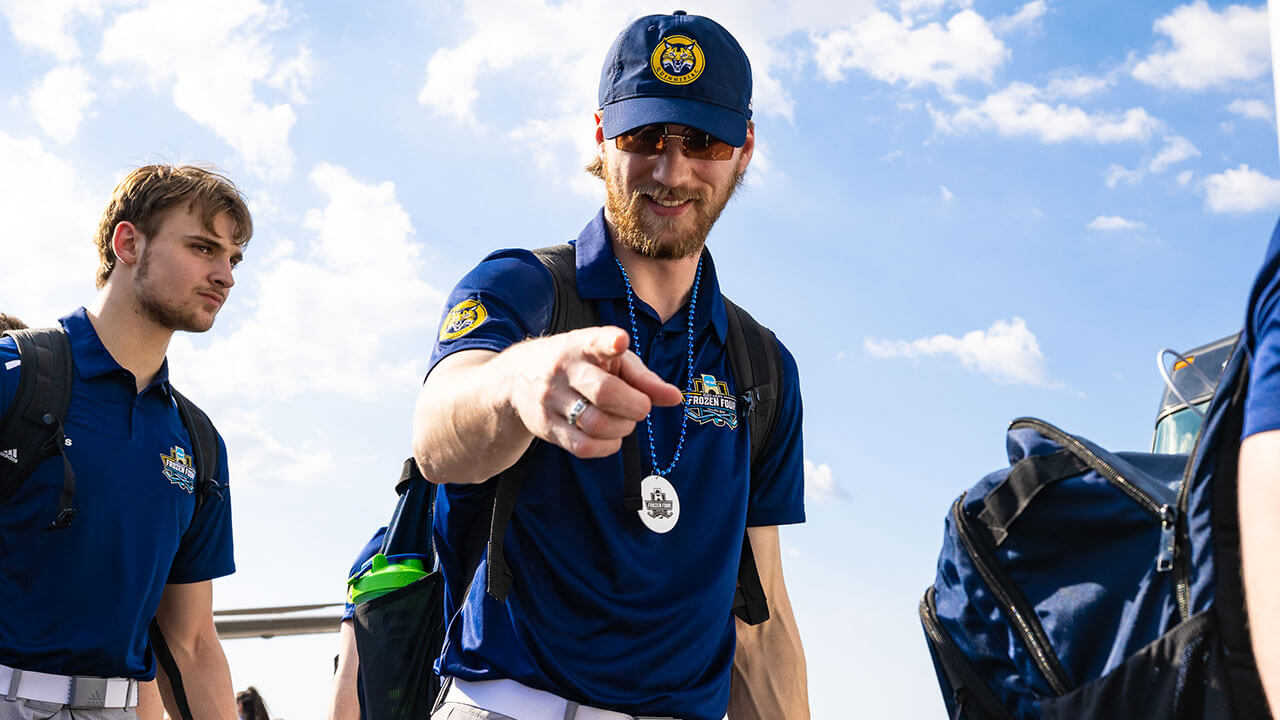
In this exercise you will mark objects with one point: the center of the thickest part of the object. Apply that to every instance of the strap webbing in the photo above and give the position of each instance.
(204, 447)
(170, 666)
(1247, 698)
(754, 359)
(1028, 477)
(632, 472)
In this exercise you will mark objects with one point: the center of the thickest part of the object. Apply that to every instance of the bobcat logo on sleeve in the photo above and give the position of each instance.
(179, 469)
(677, 60)
(462, 319)
(709, 401)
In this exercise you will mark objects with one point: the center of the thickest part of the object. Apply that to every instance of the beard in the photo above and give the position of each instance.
(643, 232)
(156, 309)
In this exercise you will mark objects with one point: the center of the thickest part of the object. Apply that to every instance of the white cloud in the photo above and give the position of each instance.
(324, 310)
(45, 24)
(945, 192)
(918, 9)
(1241, 190)
(1076, 86)
(1176, 150)
(1027, 17)
(211, 57)
(50, 216)
(1185, 176)
(892, 50)
(1022, 110)
(820, 485)
(1117, 174)
(1114, 222)
(1208, 48)
(1006, 352)
(59, 101)
(1256, 109)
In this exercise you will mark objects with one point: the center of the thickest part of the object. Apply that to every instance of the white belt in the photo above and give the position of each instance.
(508, 697)
(80, 691)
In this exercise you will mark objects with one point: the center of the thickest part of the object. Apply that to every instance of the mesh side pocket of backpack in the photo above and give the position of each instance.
(1180, 676)
(398, 637)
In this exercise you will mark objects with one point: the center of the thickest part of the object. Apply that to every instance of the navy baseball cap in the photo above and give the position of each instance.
(681, 69)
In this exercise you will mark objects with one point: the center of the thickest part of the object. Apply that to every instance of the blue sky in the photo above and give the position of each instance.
(959, 212)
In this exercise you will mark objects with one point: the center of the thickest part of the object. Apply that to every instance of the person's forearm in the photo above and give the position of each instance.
(343, 702)
(770, 680)
(1260, 544)
(465, 429)
(206, 678)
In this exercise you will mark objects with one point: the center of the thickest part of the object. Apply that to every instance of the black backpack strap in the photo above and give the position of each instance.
(756, 362)
(32, 428)
(204, 451)
(204, 447)
(569, 312)
(1246, 692)
(164, 658)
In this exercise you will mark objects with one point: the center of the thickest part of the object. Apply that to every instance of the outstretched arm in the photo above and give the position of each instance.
(185, 617)
(769, 679)
(479, 410)
(1260, 545)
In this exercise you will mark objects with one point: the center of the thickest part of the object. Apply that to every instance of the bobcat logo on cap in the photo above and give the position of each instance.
(677, 60)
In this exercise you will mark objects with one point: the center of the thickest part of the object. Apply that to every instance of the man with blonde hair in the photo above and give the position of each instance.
(112, 525)
(644, 481)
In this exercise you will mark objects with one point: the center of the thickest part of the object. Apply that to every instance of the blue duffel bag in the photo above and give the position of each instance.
(1081, 583)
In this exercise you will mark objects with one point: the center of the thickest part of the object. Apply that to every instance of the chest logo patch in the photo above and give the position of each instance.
(179, 469)
(709, 401)
(677, 60)
(462, 319)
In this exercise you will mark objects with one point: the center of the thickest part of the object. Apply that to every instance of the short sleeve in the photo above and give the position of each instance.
(205, 551)
(1262, 403)
(777, 479)
(504, 300)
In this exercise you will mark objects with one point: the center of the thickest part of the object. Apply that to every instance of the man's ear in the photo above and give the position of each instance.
(599, 136)
(748, 149)
(127, 242)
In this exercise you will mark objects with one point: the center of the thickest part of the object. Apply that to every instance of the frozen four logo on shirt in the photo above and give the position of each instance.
(709, 401)
(179, 469)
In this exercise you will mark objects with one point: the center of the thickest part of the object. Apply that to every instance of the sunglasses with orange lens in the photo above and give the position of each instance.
(652, 140)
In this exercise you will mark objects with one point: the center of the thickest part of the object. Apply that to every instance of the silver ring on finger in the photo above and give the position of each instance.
(575, 412)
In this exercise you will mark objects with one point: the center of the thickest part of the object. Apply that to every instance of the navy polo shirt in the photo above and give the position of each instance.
(78, 601)
(603, 611)
(1262, 339)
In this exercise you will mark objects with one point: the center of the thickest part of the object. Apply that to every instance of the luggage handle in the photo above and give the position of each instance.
(1168, 379)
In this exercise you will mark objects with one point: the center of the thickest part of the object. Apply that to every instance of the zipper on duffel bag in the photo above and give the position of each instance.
(972, 689)
(1171, 556)
(1012, 602)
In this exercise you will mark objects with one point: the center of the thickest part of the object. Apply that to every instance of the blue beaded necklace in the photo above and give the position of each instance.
(684, 417)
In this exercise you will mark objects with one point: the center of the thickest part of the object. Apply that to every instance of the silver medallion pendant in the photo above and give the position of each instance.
(660, 505)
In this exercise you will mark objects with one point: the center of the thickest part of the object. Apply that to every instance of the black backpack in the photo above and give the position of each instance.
(404, 631)
(32, 431)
